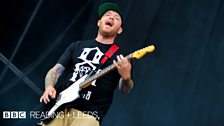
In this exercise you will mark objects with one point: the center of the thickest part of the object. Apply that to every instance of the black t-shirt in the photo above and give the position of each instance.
(83, 57)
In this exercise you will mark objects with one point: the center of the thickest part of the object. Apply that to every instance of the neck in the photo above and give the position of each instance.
(104, 39)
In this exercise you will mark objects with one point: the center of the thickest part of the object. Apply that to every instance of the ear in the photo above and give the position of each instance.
(98, 23)
(120, 30)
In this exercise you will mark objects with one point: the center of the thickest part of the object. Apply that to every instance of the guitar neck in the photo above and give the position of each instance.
(101, 73)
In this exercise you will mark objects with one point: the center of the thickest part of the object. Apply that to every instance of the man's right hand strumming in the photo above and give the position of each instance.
(49, 91)
(50, 80)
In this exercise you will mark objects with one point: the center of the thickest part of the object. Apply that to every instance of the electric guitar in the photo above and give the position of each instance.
(72, 92)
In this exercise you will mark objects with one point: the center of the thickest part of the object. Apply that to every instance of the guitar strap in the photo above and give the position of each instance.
(110, 53)
(107, 55)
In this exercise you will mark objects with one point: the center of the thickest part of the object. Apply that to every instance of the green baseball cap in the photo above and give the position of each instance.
(103, 8)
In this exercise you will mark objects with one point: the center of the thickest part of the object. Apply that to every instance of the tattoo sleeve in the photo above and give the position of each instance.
(126, 85)
(53, 75)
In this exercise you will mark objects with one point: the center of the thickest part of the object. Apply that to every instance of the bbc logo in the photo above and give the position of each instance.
(14, 114)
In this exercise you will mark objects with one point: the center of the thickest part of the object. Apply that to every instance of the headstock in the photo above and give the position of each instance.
(140, 53)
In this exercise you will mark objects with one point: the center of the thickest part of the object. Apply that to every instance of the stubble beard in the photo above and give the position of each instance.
(107, 34)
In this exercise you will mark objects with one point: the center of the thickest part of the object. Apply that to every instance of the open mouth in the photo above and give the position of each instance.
(109, 23)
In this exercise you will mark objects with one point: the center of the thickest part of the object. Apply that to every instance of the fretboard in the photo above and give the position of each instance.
(101, 73)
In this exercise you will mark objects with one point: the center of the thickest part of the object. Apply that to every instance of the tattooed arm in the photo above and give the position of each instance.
(124, 69)
(50, 80)
(126, 85)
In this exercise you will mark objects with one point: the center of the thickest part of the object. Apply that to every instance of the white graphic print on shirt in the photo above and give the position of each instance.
(87, 65)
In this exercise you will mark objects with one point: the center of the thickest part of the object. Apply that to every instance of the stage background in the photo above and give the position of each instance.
(180, 84)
